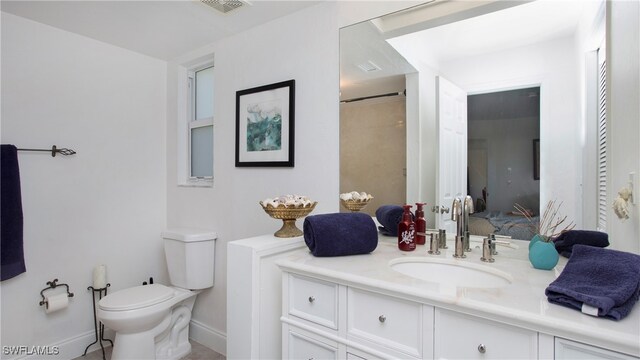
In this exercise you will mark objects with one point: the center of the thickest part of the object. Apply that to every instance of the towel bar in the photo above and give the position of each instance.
(54, 150)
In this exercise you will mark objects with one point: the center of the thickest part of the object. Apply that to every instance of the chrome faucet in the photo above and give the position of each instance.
(467, 209)
(458, 217)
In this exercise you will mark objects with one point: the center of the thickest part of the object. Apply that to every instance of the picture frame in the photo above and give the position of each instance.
(265, 125)
(536, 159)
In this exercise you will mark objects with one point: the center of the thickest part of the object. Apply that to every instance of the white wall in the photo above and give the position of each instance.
(304, 47)
(104, 205)
(552, 66)
(623, 116)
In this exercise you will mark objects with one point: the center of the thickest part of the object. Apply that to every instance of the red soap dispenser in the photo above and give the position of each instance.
(421, 225)
(406, 231)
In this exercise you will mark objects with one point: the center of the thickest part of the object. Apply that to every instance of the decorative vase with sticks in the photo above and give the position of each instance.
(542, 251)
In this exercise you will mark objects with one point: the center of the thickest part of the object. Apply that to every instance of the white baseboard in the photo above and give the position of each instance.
(64, 350)
(208, 336)
(73, 347)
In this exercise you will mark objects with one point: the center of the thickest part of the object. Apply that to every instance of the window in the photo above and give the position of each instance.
(200, 123)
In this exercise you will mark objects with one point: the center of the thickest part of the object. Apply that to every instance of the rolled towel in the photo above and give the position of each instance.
(340, 234)
(389, 216)
(599, 282)
(565, 241)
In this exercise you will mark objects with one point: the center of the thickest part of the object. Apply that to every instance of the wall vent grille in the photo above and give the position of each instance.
(224, 6)
(368, 66)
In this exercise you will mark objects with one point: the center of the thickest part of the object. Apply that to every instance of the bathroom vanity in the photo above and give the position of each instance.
(411, 305)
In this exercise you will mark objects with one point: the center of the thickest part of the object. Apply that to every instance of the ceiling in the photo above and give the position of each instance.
(520, 25)
(158, 28)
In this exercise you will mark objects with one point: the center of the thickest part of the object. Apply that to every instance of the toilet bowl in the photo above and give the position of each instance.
(152, 321)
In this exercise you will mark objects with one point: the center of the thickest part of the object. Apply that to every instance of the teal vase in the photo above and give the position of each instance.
(535, 239)
(543, 255)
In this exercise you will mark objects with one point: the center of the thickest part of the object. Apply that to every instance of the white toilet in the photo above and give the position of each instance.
(152, 321)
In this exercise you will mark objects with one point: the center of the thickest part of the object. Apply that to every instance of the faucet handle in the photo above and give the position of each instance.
(487, 254)
(444, 209)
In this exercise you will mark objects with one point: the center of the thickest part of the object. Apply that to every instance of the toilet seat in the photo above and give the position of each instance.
(136, 297)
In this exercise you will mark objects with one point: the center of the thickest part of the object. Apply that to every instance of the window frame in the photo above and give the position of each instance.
(184, 112)
(193, 123)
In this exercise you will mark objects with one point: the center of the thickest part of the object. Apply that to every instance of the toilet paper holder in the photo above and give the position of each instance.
(52, 285)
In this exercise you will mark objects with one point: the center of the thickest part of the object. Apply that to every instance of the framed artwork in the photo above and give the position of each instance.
(265, 118)
(536, 159)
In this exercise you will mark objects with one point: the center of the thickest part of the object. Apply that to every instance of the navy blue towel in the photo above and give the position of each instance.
(340, 234)
(389, 216)
(565, 241)
(608, 280)
(11, 251)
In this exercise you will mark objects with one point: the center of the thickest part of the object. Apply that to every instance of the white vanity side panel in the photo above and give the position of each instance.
(459, 337)
(567, 349)
(254, 296)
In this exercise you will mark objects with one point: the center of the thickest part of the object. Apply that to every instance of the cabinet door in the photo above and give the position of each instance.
(459, 336)
(304, 347)
(566, 349)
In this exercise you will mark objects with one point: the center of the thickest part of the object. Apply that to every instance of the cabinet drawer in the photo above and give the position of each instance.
(567, 349)
(461, 336)
(313, 300)
(383, 320)
(304, 347)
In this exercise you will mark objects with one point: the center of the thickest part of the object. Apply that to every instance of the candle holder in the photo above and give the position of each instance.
(98, 326)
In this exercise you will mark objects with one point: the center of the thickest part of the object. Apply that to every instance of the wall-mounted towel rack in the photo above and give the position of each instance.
(54, 150)
(52, 285)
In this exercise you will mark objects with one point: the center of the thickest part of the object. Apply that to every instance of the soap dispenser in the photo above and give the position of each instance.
(421, 225)
(406, 231)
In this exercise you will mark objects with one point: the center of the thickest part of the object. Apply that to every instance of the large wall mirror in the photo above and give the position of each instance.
(487, 100)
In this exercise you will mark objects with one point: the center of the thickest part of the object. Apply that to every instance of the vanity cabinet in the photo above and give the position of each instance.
(326, 320)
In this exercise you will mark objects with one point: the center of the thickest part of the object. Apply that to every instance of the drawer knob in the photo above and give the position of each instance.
(482, 349)
(382, 318)
(312, 299)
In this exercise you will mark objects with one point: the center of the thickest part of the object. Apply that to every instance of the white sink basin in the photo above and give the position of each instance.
(458, 273)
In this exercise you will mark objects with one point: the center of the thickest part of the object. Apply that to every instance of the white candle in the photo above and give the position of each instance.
(100, 277)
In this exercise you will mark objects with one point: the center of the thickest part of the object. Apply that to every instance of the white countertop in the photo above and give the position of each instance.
(521, 303)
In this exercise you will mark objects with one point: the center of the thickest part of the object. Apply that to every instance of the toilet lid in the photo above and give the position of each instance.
(136, 297)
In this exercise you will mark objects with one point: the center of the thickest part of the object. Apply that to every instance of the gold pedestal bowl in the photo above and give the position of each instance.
(354, 205)
(288, 215)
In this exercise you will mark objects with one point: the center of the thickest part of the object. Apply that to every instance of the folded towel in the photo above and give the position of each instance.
(565, 241)
(606, 280)
(11, 249)
(389, 216)
(340, 234)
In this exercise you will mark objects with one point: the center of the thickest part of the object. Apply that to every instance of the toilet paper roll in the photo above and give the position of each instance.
(56, 302)
(100, 277)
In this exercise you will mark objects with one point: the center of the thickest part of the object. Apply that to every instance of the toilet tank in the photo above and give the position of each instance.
(190, 255)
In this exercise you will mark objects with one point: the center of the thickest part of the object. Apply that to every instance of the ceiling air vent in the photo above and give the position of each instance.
(368, 66)
(224, 6)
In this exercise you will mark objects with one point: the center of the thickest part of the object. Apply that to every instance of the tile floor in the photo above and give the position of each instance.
(198, 352)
